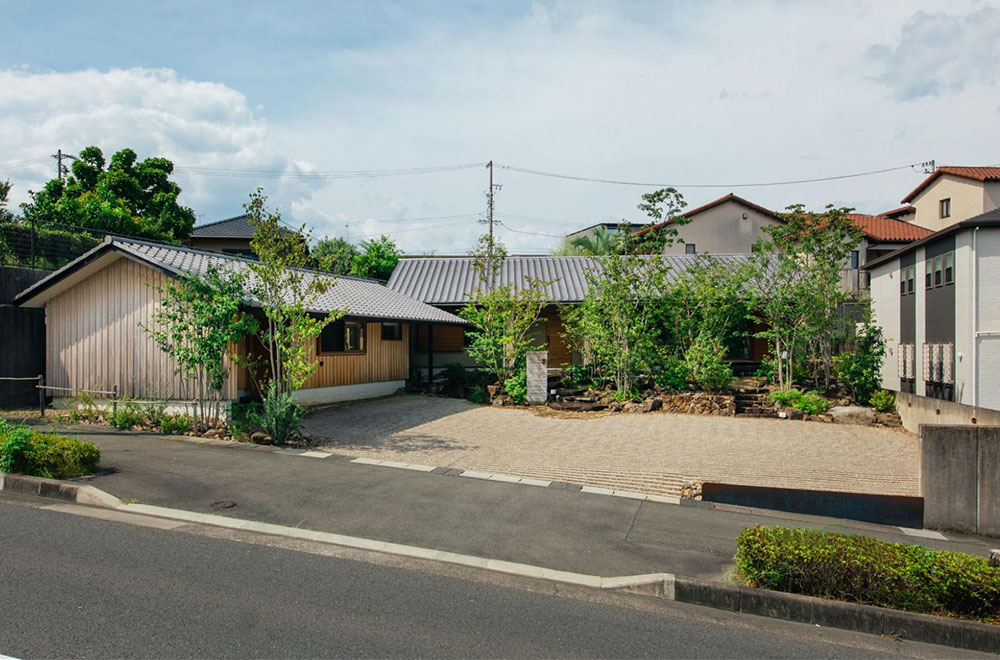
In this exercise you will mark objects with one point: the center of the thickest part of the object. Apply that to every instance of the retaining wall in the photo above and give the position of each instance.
(960, 478)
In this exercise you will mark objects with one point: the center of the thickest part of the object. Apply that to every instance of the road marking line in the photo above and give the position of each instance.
(924, 533)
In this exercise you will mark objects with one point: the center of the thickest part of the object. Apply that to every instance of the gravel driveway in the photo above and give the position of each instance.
(653, 453)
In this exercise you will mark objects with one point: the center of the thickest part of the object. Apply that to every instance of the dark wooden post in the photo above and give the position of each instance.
(430, 355)
(41, 395)
(114, 402)
(994, 559)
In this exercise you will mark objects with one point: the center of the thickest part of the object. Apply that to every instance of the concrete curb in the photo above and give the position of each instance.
(926, 628)
(59, 490)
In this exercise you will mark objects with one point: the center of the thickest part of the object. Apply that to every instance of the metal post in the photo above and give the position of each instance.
(114, 402)
(41, 395)
(430, 356)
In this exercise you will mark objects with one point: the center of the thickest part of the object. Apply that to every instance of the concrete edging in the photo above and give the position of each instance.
(56, 489)
(956, 633)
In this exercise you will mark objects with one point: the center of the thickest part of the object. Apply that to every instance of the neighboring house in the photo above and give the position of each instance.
(882, 234)
(97, 306)
(727, 225)
(610, 227)
(936, 302)
(952, 194)
(450, 282)
(229, 236)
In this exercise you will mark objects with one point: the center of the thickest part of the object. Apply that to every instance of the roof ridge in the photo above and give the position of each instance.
(219, 222)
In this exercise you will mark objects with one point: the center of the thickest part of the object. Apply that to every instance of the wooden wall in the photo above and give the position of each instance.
(95, 337)
(382, 360)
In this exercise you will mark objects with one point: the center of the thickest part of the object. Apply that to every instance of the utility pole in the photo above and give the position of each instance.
(489, 204)
(62, 170)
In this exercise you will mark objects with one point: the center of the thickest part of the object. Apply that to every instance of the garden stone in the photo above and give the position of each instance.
(852, 415)
(792, 413)
(649, 405)
(260, 438)
(632, 407)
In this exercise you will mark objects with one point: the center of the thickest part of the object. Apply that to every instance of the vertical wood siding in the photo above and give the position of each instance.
(383, 360)
(95, 336)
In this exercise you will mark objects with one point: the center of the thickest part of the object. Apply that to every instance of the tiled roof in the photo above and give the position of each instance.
(974, 173)
(885, 229)
(238, 227)
(453, 280)
(990, 219)
(895, 213)
(731, 197)
(355, 296)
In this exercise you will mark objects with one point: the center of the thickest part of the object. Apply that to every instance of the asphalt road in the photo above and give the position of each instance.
(80, 587)
(564, 530)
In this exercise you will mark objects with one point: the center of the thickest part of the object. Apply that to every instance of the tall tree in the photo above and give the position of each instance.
(334, 255)
(127, 196)
(5, 215)
(378, 258)
(601, 242)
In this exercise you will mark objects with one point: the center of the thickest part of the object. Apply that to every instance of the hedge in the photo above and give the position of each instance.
(864, 570)
(45, 454)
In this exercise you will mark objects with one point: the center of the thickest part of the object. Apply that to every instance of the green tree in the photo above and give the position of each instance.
(797, 288)
(130, 197)
(198, 323)
(334, 255)
(860, 368)
(502, 316)
(285, 290)
(5, 215)
(601, 242)
(377, 259)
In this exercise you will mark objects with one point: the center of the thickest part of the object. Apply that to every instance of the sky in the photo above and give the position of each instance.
(704, 96)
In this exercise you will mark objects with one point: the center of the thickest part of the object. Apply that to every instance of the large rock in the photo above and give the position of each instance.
(649, 405)
(852, 415)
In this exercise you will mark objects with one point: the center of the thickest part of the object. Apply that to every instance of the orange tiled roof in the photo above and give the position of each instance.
(975, 173)
(882, 228)
(895, 213)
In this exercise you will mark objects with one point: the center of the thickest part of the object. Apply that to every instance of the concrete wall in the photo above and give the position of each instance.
(967, 199)
(885, 308)
(722, 230)
(917, 410)
(316, 395)
(960, 478)
(987, 323)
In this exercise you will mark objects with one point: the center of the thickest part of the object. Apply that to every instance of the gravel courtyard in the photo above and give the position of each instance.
(653, 453)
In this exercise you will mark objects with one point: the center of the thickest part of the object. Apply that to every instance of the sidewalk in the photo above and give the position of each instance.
(550, 526)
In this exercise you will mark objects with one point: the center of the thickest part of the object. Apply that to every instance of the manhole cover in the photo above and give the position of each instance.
(224, 504)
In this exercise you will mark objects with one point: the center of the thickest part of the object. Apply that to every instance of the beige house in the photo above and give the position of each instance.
(728, 225)
(97, 306)
(229, 236)
(952, 194)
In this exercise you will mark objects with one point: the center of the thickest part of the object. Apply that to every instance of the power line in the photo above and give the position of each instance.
(325, 175)
(522, 231)
(23, 163)
(400, 231)
(708, 185)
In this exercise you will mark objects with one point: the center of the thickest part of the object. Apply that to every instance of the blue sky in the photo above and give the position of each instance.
(682, 92)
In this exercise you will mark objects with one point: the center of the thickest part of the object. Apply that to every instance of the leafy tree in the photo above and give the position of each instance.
(502, 315)
(797, 287)
(378, 258)
(5, 215)
(860, 369)
(335, 255)
(601, 242)
(285, 291)
(127, 197)
(709, 299)
(199, 321)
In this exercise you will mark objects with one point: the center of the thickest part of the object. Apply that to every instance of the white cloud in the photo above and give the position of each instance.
(153, 111)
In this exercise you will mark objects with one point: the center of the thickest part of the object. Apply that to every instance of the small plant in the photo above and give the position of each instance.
(672, 374)
(478, 395)
(127, 416)
(454, 379)
(706, 363)
(811, 403)
(883, 401)
(279, 416)
(785, 398)
(153, 414)
(517, 387)
(243, 418)
(15, 449)
(416, 378)
(175, 424)
(45, 455)
(575, 375)
(860, 369)
(767, 371)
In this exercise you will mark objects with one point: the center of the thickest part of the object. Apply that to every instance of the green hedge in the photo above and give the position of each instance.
(45, 454)
(864, 570)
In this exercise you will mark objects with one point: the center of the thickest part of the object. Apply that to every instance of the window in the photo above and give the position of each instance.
(911, 273)
(392, 331)
(902, 281)
(928, 274)
(342, 337)
(938, 263)
(689, 248)
(945, 207)
(949, 268)
(854, 259)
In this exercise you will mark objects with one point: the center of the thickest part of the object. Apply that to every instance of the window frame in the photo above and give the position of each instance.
(855, 259)
(343, 323)
(949, 268)
(944, 208)
(392, 324)
(938, 271)
(690, 248)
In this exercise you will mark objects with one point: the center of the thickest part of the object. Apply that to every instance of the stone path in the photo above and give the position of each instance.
(653, 453)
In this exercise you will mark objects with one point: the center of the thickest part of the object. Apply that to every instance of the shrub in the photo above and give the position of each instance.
(45, 455)
(785, 398)
(279, 416)
(768, 370)
(883, 401)
(575, 375)
(517, 387)
(175, 424)
(454, 379)
(127, 415)
(478, 395)
(705, 361)
(153, 414)
(243, 417)
(672, 374)
(811, 404)
(860, 369)
(864, 570)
